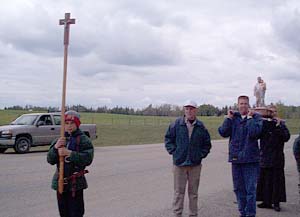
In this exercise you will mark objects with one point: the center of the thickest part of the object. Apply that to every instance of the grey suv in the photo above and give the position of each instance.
(35, 129)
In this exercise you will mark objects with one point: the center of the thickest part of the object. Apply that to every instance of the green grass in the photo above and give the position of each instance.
(114, 129)
(293, 125)
(7, 116)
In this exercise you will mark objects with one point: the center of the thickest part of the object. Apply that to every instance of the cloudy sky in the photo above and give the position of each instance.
(133, 53)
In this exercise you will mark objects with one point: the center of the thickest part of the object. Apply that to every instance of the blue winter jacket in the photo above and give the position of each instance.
(178, 144)
(296, 149)
(243, 135)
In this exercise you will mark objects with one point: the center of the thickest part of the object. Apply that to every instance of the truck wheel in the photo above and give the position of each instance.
(22, 145)
(2, 150)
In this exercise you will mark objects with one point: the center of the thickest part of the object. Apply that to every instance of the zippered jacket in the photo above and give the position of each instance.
(243, 137)
(178, 144)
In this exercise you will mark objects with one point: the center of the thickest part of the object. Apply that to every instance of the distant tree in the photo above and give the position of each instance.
(207, 110)
(148, 110)
(16, 107)
(284, 111)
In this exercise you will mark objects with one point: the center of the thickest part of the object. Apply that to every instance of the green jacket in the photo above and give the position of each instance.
(81, 156)
(184, 149)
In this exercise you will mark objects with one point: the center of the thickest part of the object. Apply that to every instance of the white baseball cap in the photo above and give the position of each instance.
(190, 103)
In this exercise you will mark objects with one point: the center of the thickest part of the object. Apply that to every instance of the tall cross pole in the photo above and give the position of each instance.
(66, 22)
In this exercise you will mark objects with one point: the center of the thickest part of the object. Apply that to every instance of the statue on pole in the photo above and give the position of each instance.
(259, 92)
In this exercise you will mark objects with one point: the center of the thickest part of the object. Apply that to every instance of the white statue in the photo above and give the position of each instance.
(259, 92)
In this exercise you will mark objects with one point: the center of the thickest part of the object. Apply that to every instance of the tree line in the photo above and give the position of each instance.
(160, 110)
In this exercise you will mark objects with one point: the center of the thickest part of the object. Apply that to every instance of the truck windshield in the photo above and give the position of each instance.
(25, 120)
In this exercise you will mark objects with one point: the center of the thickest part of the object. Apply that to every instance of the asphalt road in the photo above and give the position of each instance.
(130, 181)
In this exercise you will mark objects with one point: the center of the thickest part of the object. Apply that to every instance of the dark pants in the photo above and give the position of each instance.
(244, 183)
(298, 163)
(271, 186)
(70, 206)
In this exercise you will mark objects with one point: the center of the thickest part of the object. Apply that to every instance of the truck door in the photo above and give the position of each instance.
(45, 131)
(57, 121)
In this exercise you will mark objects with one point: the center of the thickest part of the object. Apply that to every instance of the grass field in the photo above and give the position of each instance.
(114, 129)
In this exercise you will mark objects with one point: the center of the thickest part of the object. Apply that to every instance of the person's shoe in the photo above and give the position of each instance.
(277, 208)
(264, 205)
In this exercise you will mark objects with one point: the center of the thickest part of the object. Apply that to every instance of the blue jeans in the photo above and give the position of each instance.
(244, 183)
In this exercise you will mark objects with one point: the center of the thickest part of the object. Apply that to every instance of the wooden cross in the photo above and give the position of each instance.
(66, 22)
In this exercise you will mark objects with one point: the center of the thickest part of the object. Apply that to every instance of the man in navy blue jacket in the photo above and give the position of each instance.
(296, 149)
(188, 141)
(243, 129)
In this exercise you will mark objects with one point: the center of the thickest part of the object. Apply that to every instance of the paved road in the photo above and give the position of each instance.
(129, 181)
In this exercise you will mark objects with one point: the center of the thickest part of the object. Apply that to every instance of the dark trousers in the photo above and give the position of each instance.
(271, 186)
(244, 183)
(298, 163)
(70, 206)
(298, 167)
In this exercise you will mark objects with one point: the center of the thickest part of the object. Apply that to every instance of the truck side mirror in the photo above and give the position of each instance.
(40, 123)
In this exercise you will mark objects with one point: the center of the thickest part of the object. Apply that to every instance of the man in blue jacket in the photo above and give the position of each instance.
(243, 129)
(188, 141)
(296, 149)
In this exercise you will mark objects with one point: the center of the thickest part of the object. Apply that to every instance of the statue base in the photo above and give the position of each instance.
(264, 112)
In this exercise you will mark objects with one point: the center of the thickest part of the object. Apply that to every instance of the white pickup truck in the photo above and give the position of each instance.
(35, 129)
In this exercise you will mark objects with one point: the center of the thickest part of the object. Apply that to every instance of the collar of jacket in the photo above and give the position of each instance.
(182, 122)
(74, 133)
(238, 115)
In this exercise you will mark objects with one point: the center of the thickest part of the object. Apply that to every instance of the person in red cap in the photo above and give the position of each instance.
(78, 151)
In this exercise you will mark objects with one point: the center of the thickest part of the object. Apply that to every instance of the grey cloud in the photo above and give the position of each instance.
(35, 45)
(30, 30)
(154, 13)
(287, 76)
(136, 43)
(131, 36)
(93, 65)
(286, 26)
(179, 20)
(47, 42)
(150, 13)
(35, 29)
